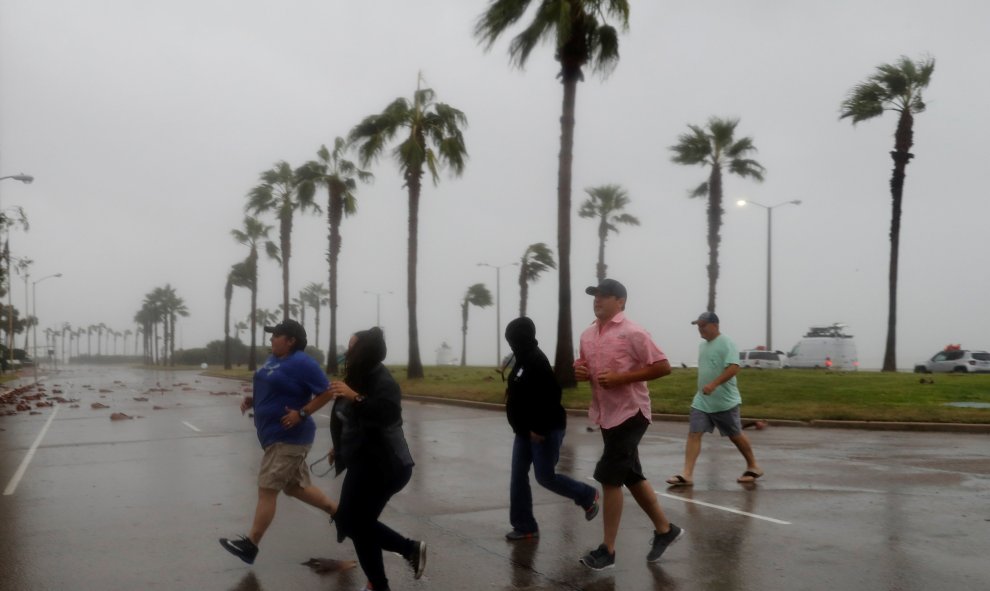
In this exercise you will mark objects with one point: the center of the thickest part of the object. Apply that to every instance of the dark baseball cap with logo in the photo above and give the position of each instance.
(292, 329)
(608, 287)
(707, 318)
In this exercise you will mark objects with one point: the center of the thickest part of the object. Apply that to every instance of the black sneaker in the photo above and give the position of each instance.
(591, 511)
(417, 560)
(242, 548)
(516, 535)
(660, 542)
(599, 558)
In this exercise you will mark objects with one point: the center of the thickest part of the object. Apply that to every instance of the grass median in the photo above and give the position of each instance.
(791, 394)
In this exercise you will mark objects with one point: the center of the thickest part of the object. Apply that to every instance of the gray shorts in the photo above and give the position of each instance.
(284, 465)
(727, 421)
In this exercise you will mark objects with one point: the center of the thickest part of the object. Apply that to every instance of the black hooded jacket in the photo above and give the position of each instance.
(532, 399)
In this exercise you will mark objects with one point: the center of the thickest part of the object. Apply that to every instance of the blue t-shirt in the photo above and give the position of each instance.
(713, 357)
(288, 382)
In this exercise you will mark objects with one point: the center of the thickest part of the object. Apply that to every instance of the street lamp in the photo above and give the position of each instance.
(498, 308)
(769, 209)
(34, 312)
(378, 305)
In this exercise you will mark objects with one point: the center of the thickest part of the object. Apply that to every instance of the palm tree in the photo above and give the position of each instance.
(251, 235)
(581, 35)
(433, 139)
(339, 176)
(603, 204)
(173, 307)
(237, 277)
(893, 87)
(537, 258)
(278, 194)
(715, 147)
(315, 295)
(477, 295)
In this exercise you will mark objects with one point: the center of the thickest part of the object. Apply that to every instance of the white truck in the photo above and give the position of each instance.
(825, 347)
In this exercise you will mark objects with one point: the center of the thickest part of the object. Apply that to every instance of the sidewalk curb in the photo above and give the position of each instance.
(817, 423)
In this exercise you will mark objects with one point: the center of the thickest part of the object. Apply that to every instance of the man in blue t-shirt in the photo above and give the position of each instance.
(288, 388)
(716, 402)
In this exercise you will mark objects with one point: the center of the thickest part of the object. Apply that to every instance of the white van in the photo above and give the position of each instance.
(762, 359)
(825, 347)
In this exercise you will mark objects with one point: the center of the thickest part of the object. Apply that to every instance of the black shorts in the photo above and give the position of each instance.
(620, 458)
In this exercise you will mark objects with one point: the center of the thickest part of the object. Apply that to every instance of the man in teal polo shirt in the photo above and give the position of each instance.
(717, 401)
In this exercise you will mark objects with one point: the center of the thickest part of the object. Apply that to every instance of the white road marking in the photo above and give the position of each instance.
(721, 508)
(12, 485)
(190, 426)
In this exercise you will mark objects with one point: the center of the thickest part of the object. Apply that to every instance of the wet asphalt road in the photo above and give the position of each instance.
(140, 503)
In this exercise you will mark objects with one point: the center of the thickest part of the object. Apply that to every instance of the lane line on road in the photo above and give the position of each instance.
(722, 508)
(191, 426)
(16, 479)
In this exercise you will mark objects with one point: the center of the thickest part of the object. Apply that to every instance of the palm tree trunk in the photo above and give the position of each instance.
(228, 294)
(252, 360)
(415, 368)
(903, 140)
(714, 226)
(334, 214)
(563, 364)
(523, 290)
(464, 319)
(286, 246)
(602, 236)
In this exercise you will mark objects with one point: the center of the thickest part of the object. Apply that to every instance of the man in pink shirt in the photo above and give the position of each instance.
(618, 357)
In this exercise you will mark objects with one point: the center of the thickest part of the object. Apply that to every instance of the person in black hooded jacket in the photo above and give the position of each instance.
(532, 406)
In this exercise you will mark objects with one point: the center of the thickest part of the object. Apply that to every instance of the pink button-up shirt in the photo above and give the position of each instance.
(620, 346)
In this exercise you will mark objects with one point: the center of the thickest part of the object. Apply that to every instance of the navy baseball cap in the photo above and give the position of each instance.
(707, 318)
(608, 287)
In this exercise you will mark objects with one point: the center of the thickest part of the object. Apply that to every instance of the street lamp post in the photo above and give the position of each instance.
(378, 305)
(769, 209)
(27, 180)
(498, 308)
(34, 312)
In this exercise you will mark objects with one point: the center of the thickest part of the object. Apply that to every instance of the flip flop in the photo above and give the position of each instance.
(749, 476)
(678, 480)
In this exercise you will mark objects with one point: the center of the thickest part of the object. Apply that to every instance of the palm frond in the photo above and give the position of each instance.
(699, 191)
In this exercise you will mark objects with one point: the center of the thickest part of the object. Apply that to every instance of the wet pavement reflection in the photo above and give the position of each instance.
(139, 503)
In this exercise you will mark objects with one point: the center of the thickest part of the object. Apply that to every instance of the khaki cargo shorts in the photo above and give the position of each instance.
(284, 465)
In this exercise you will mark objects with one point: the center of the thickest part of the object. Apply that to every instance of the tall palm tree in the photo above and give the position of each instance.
(252, 235)
(173, 307)
(604, 204)
(581, 35)
(537, 258)
(893, 87)
(278, 194)
(339, 176)
(431, 139)
(66, 328)
(237, 277)
(476, 295)
(714, 146)
(315, 296)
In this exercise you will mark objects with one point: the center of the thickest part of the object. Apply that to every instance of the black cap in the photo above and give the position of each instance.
(608, 287)
(290, 328)
(707, 318)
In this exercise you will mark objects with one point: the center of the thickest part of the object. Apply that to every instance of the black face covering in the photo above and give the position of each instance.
(521, 335)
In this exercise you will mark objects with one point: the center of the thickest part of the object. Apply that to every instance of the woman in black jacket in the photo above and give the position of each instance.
(532, 405)
(368, 442)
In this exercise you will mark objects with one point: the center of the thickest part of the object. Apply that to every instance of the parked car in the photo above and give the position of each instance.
(956, 360)
(825, 347)
(762, 359)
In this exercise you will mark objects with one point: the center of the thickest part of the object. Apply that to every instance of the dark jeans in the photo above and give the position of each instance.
(543, 457)
(363, 496)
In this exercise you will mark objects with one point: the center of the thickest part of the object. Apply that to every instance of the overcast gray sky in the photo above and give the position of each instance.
(146, 124)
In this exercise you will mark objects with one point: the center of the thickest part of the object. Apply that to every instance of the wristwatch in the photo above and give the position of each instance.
(302, 413)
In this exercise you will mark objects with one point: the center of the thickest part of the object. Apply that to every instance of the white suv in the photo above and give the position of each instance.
(762, 359)
(956, 360)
